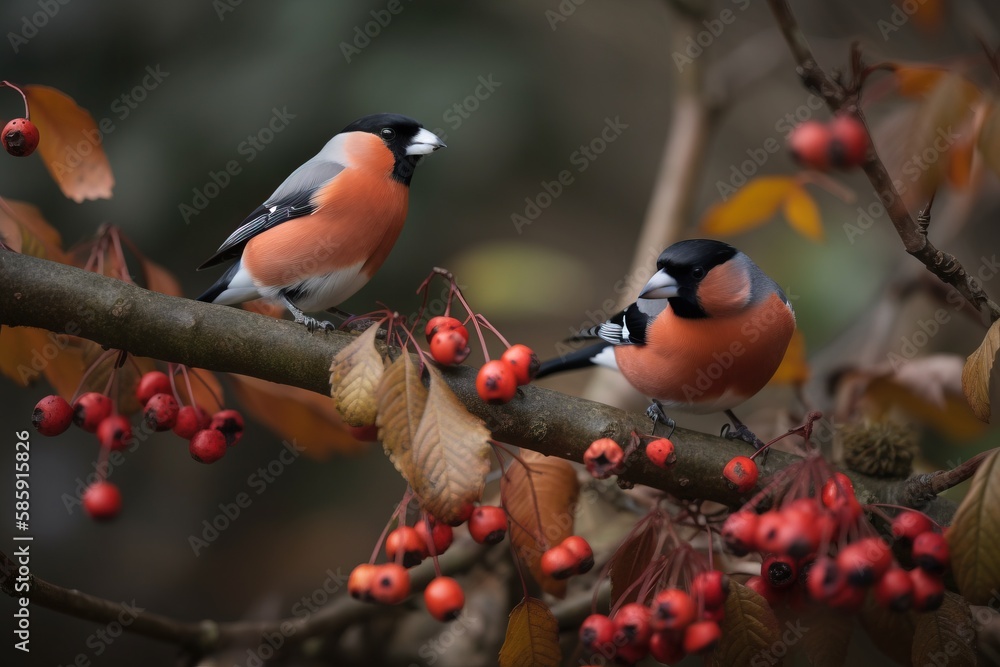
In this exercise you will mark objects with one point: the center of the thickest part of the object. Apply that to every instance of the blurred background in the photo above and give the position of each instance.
(515, 89)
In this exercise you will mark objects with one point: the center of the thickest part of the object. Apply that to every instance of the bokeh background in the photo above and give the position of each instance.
(555, 82)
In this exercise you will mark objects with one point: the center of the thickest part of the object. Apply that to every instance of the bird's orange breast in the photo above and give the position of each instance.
(715, 362)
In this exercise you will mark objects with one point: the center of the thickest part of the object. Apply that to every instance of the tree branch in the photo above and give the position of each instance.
(841, 100)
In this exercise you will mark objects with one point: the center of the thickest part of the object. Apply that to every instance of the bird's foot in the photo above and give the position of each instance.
(739, 431)
(312, 324)
(656, 413)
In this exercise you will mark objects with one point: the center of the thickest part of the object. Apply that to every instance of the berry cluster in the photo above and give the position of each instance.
(841, 143)
(605, 457)
(676, 623)
(95, 412)
(824, 549)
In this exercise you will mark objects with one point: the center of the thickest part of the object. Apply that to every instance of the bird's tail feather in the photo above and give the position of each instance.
(577, 359)
(220, 286)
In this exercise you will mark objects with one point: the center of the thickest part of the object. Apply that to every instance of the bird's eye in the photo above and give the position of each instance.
(697, 273)
(388, 133)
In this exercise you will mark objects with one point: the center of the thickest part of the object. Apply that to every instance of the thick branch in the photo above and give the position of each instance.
(840, 100)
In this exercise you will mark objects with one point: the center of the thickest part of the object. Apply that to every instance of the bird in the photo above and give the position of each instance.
(707, 332)
(330, 225)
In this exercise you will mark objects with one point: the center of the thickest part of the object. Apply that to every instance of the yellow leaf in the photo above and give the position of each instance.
(532, 638)
(540, 501)
(754, 204)
(401, 399)
(749, 628)
(354, 377)
(794, 367)
(70, 145)
(977, 372)
(802, 214)
(450, 453)
(974, 535)
(302, 417)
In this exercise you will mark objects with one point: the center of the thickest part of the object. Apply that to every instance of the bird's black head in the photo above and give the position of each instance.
(405, 137)
(688, 262)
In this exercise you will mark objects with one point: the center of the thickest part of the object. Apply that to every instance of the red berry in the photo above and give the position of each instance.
(161, 412)
(740, 532)
(597, 633)
(207, 446)
(449, 347)
(102, 501)
(711, 587)
(488, 524)
(838, 496)
(407, 544)
(496, 382)
(632, 626)
(928, 590)
(825, 579)
(391, 583)
(52, 415)
(865, 561)
(809, 144)
(559, 562)
(230, 424)
(151, 384)
(895, 590)
(444, 598)
(801, 534)
(437, 535)
(463, 515)
(444, 323)
(848, 598)
(660, 453)
(359, 584)
(930, 552)
(741, 474)
(582, 553)
(760, 586)
(523, 361)
(190, 420)
(20, 137)
(667, 647)
(672, 609)
(849, 142)
(701, 637)
(779, 571)
(908, 525)
(364, 433)
(90, 410)
(603, 458)
(771, 536)
(115, 432)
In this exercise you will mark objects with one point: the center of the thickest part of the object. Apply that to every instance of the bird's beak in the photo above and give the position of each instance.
(424, 143)
(661, 286)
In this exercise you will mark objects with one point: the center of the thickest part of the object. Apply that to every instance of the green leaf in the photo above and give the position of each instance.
(974, 535)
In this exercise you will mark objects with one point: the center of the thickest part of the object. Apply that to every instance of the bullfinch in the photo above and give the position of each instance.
(706, 333)
(327, 229)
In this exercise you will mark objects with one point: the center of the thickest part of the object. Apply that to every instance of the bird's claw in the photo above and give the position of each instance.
(656, 413)
(741, 432)
(312, 324)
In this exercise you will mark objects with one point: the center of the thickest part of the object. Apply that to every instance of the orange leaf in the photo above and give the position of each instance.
(794, 368)
(302, 417)
(552, 483)
(919, 80)
(960, 161)
(802, 214)
(927, 16)
(159, 279)
(34, 236)
(206, 388)
(750, 207)
(27, 353)
(70, 145)
(532, 638)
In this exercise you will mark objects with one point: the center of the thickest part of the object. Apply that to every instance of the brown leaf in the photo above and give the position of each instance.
(978, 371)
(974, 535)
(794, 367)
(827, 636)
(532, 637)
(753, 205)
(750, 632)
(989, 139)
(401, 399)
(206, 388)
(891, 631)
(354, 377)
(950, 631)
(302, 417)
(630, 562)
(803, 214)
(556, 490)
(27, 354)
(70, 145)
(159, 279)
(450, 450)
(25, 230)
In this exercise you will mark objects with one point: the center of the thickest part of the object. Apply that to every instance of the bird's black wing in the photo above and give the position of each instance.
(628, 326)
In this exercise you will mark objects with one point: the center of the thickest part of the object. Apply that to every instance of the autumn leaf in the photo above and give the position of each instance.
(753, 205)
(296, 415)
(24, 230)
(891, 631)
(920, 80)
(927, 15)
(630, 563)
(206, 388)
(450, 450)
(978, 371)
(946, 109)
(803, 214)
(354, 378)
(749, 630)
(974, 535)
(826, 635)
(27, 354)
(551, 483)
(532, 638)
(989, 139)
(949, 631)
(70, 145)
(401, 398)
(159, 279)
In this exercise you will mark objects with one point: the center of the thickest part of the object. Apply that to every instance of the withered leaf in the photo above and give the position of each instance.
(978, 371)
(974, 535)
(401, 398)
(532, 638)
(354, 377)
(750, 630)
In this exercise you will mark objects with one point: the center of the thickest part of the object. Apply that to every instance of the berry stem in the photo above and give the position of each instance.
(93, 366)
(27, 114)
